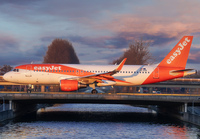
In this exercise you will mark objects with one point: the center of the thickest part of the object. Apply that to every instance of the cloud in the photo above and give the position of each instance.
(99, 62)
(159, 29)
(13, 56)
(8, 43)
(14, 2)
(194, 55)
(16, 58)
(95, 26)
(101, 42)
(49, 10)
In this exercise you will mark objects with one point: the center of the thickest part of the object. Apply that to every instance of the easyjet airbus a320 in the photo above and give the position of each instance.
(71, 77)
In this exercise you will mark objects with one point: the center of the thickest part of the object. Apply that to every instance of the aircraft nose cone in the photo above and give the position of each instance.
(6, 77)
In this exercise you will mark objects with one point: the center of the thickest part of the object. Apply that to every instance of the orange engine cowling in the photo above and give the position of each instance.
(70, 85)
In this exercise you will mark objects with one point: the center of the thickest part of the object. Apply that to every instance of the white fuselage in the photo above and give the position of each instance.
(129, 75)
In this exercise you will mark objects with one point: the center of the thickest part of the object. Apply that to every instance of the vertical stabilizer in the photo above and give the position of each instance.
(178, 56)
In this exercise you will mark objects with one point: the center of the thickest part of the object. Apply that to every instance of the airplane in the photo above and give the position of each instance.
(72, 77)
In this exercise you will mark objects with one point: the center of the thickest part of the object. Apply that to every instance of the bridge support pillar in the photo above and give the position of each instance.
(10, 104)
(185, 107)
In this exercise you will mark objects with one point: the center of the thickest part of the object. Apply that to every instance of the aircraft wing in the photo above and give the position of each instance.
(101, 76)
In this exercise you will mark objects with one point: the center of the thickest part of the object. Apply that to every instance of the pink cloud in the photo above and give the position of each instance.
(154, 26)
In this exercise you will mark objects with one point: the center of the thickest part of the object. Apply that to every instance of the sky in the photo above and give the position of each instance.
(99, 30)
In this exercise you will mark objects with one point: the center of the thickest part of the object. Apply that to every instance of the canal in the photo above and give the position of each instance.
(97, 121)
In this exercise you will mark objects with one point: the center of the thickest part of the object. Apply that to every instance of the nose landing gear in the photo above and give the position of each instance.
(30, 88)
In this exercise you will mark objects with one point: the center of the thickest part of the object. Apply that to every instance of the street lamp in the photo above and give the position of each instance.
(193, 104)
(3, 104)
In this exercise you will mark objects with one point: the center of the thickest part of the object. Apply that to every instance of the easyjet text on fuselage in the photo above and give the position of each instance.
(47, 67)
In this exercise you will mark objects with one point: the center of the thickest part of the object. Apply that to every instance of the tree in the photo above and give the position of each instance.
(6, 68)
(137, 53)
(61, 51)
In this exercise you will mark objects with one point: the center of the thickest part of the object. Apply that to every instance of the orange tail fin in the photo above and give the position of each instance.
(178, 56)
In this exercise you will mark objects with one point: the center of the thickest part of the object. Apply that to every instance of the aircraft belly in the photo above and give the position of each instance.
(136, 80)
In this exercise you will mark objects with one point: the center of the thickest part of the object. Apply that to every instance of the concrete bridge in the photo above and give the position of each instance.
(104, 98)
(19, 103)
(170, 104)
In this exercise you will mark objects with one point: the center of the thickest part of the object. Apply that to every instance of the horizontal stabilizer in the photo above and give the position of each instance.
(185, 71)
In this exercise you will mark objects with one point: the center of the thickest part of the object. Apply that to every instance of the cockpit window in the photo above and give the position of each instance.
(16, 70)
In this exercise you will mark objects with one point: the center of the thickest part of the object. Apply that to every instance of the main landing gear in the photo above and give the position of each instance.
(94, 91)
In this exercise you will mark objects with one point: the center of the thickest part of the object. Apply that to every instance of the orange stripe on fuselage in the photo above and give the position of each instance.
(55, 68)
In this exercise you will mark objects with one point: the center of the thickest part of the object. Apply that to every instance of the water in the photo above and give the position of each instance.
(97, 121)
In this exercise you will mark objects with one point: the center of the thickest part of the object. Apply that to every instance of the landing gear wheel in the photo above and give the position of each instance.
(94, 91)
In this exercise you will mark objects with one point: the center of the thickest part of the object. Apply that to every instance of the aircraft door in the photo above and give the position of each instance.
(81, 72)
(28, 71)
(77, 72)
(156, 73)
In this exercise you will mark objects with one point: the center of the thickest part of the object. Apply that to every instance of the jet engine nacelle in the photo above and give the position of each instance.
(70, 85)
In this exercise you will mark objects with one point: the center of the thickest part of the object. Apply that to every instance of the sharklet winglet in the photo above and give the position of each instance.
(121, 65)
